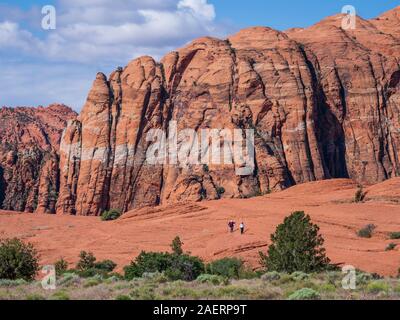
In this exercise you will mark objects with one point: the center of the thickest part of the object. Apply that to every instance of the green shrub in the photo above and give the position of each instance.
(123, 297)
(299, 276)
(367, 231)
(360, 195)
(226, 267)
(176, 246)
(61, 267)
(110, 215)
(175, 267)
(271, 276)
(185, 267)
(391, 247)
(87, 261)
(305, 294)
(69, 279)
(12, 283)
(18, 260)
(220, 191)
(395, 236)
(377, 287)
(296, 246)
(105, 265)
(147, 262)
(91, 282)
(60, 295)
(212, 279)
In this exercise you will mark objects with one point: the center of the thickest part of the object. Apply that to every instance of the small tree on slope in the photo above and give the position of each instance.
(296, 246)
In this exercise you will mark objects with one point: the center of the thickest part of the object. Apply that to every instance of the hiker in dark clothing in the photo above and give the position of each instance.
(242, 228)
(231, 225)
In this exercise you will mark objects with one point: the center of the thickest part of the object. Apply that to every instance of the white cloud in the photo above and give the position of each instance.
(98, 34)
(11, 36)
(199, 8)
(117, 30)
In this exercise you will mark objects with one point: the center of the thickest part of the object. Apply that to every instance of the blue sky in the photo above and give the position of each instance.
(40, 67)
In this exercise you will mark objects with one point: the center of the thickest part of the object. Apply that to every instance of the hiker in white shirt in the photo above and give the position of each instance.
(242, 228)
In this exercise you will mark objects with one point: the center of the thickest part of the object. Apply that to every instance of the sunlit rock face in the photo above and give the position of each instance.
(322, 102)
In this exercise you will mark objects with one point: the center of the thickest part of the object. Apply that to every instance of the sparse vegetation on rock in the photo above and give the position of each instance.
(395, 236)
(360, 195)
(367, 231)
(111, 215)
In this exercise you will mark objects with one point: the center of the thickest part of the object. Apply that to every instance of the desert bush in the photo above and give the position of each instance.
(271, 276)
(360, 195)
(296, 246)
(87, 261)
(12, 283)
(220, 191)
(175, 267)
(155, 277)
(391, 247)
(88, 267)
(226, 267)
(105, 265)
(69, 279)
(91, 282)
(60, 295)
(395, 236)
(110, 215)
(367, 231)
(122, 297)
(147, 262)
(185, 267)
(176, 246)
(61, 267)
(212, 279)
(299, 276)
(304, 294)
(18, 260)
(377, 287)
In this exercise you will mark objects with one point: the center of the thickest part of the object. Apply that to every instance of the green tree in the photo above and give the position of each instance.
(18, 260)
(87, 261)
(296, 246)
(176, 246)
(61, 267)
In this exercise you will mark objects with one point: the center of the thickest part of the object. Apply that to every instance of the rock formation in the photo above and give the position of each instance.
(323, 103)
(29, 143)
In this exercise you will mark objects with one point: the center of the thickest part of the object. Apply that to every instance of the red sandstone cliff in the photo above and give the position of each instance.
(29, 143)
(324, 103)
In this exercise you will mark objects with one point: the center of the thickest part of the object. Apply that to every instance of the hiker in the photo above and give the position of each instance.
(242, 228)
(231, 225)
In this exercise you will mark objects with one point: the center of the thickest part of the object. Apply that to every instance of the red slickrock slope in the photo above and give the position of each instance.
(203, 227)
(324, 103)
(29, 143)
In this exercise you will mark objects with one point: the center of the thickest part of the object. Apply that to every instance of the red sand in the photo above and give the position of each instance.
(203, 227)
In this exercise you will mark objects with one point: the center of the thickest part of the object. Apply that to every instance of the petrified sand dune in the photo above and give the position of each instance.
(203, 227)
